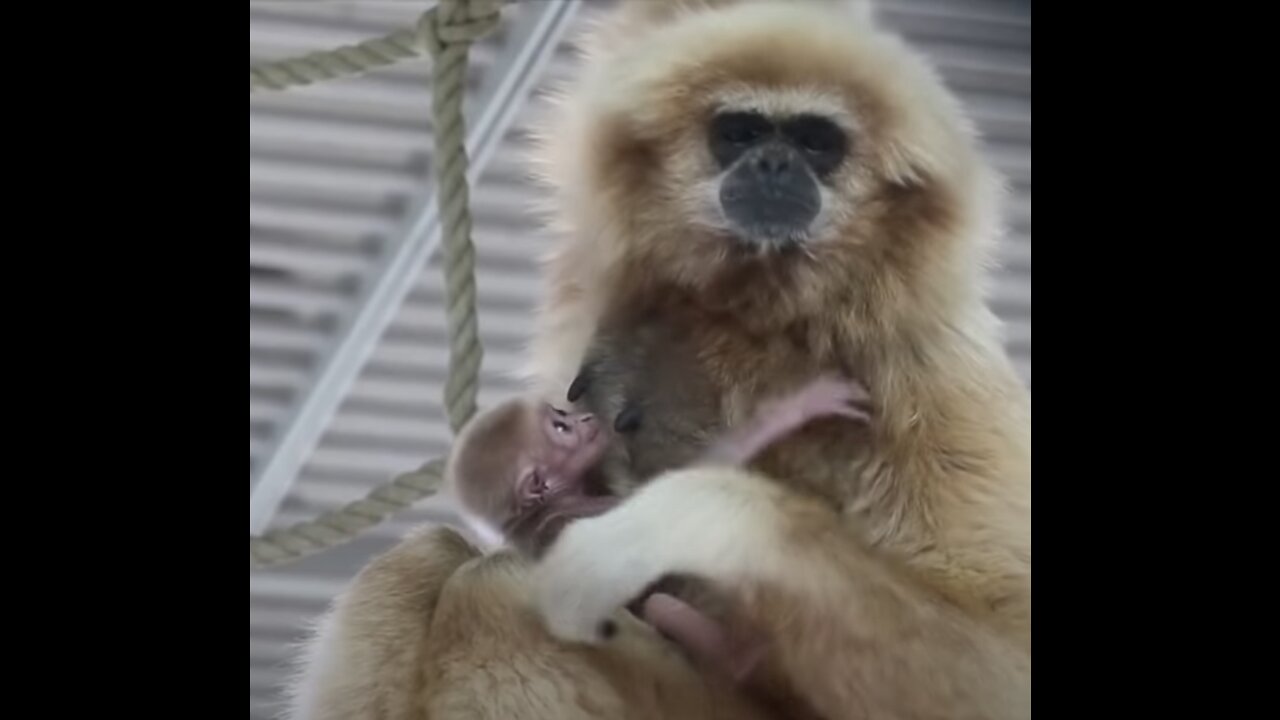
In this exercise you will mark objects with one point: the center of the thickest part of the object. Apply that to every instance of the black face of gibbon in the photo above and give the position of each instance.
(771, 191)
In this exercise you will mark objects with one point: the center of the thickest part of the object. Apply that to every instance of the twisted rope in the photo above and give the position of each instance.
(463, 23)
(447, 33)
(289, 545)
(454, 197)
(334, 64)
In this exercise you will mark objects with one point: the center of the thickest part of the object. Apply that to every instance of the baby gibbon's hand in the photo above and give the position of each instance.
(824, 396)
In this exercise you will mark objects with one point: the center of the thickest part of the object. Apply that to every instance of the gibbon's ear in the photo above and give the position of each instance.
(907, 166)
(925, 145)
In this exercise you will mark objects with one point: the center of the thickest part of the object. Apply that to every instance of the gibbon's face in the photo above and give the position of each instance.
(560, 448)
(523, 454)
(774, 131)
(775, 171)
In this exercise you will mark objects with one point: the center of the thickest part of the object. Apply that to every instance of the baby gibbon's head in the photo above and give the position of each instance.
(520, 455)
(794, 138)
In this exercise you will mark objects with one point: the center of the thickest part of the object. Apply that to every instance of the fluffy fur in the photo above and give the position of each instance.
(887, 290)
(432, 629)
(892, 569)
(843, 621)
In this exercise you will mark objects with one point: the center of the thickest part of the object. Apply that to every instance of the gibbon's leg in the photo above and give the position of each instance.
(854, 635)
(365, 660)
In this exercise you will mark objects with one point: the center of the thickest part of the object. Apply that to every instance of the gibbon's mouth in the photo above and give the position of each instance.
(772, 223)
(770, 238)
(776, 234)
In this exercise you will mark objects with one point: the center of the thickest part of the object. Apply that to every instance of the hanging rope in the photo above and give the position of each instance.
(447, 33)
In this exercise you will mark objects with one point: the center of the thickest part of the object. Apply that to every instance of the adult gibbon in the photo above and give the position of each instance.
(796, 192)
(791, 191)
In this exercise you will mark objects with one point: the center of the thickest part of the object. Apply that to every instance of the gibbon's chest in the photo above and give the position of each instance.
(725, 344)
(695, 366)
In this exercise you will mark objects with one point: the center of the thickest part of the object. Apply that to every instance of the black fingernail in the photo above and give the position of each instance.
(578, 388)
(608, 629)
(628, 420)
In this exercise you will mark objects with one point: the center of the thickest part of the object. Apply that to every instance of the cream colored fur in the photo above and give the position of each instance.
(432, 629)
(935, 502)
(799, 577)
(891, 568)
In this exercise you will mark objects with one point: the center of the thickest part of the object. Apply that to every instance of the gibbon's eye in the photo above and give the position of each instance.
(740, 128)
(734, 133)
(560, 426)
(823, 142)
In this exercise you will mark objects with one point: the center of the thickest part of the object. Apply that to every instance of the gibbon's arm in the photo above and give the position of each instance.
(854, 635)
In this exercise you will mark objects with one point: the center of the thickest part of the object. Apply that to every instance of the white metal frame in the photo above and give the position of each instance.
(535, 36)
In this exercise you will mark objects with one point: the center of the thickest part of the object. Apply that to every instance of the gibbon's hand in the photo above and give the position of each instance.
(714, 523)
(592, 571)
(580, 394)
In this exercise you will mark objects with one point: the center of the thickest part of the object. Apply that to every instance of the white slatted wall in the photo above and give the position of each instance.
(334, 168)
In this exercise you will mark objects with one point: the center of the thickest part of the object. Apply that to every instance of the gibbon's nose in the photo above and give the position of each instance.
(774, 162)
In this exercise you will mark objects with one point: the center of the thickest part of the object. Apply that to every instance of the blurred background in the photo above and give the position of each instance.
(339, 181)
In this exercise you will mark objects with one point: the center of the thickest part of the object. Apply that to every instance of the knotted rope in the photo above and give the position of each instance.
(446, 33)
